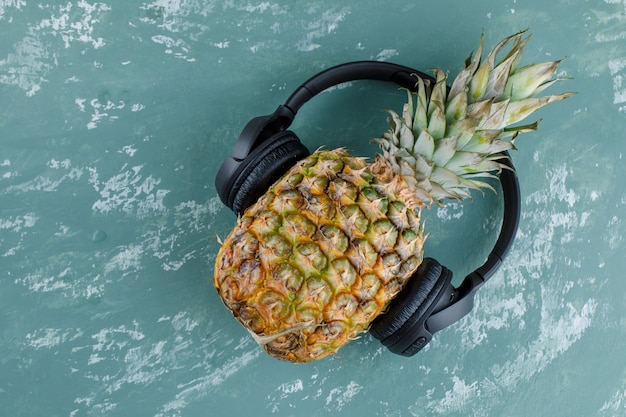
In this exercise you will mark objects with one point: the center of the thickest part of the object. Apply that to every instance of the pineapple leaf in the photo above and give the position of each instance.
(519, 110)
(420, 121)
(424, 145)
(479, 110)
(498, 78)
(456, 108)
(519, 44)
(405, 136)
(496, 116)
(438, 95)
(464, 130)
(525, 81)
(445, 149)
(463, 79)
(437, 122)
(478, 83)
(408, 111)
(515, 130)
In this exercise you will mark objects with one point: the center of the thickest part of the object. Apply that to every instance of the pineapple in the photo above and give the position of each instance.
(322, 253)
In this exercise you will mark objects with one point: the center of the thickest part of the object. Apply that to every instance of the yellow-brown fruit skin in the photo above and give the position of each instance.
(320, 255)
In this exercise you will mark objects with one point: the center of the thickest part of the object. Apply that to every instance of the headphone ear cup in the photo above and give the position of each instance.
(264, 166)
(416, 300)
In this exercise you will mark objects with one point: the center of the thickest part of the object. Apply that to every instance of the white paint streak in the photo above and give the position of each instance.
(386, 54)
(29, 63)
(128, 192)
(612, 32)
(339, 397)
(456, 398)
(19, 222)
(201, 386)
(616, 67)
(47, 338)
(320, 28)
(615, 406)
(128, 258)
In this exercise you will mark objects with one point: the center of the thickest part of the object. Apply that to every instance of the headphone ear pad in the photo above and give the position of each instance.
(264, 166)
(415, 300)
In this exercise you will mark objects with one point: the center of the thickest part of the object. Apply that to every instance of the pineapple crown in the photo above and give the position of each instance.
(447, 141)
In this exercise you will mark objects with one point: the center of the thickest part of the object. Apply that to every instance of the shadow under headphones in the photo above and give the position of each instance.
(266, 150)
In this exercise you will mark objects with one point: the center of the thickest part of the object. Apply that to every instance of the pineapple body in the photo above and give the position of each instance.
(320, 255)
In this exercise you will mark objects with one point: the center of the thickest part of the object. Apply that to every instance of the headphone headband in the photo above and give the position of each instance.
(353, 71)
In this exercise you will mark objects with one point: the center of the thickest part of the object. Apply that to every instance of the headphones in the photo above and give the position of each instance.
(429, 302)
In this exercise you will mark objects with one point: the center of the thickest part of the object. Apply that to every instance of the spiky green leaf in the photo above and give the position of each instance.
(519, 110)
(478, 83)
(424, 145)
(437, 123)
(525, 81)
(445, 149)
(495, 117)
(456, 108)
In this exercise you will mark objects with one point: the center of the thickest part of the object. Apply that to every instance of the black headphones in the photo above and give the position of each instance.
(266, 150)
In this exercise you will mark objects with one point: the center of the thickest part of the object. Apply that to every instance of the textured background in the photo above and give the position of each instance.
(114, 117)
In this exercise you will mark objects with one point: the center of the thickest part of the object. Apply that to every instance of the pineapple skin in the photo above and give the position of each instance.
(319, 256)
